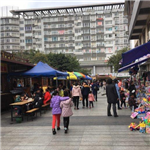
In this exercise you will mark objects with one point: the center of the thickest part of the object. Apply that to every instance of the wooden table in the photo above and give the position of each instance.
(19, 104)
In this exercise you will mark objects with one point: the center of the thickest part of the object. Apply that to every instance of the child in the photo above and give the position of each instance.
(132, 101)
(66, 111)
(91, 99)
(56, 110)
(123, 98)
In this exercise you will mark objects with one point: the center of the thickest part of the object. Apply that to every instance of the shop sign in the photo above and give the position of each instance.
(4, 68)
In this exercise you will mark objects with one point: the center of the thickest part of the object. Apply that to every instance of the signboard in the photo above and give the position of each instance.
(4, 68)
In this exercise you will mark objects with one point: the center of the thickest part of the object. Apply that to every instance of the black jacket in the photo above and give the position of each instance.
(131, 89)
(111, 93)
(85, 90)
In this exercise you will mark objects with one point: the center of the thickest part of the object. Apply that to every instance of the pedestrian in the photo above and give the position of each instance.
(47, 96)
(95, 88)
(91, 99)
(85, 93)
(132, 89)
(76, 93)
(132, 102)
(118, 92)
(112, 97)
(66, 111)
(56, 110)
(123, 99)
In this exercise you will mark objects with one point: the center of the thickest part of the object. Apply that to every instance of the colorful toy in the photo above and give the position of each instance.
(133, 126)
(142, 127)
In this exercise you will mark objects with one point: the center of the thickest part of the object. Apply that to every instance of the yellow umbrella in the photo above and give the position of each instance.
(70, 77)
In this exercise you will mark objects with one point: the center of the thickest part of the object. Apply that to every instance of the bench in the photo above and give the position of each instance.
(31, 112)
(45, 106)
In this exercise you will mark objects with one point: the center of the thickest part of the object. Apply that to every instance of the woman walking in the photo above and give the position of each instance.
(66, 111)
(112, 97)
(76, 93)
(56, 110)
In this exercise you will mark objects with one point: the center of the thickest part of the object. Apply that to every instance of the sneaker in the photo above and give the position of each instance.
(58, 128)
(77, 108)
(53, 131)
(83, 107)
(109, 115)
(65, 130)
(116, 116)
(119, 108)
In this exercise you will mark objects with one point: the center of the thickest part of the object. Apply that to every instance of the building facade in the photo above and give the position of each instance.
(139, 24)
(88, 32)
(9, 28)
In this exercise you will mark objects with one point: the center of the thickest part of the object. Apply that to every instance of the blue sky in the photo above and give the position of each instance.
(27, 4)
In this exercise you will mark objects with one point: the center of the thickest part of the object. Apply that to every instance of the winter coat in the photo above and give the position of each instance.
(91, 97)
(95, 88)
(55, 104)
(111, 93)
(47, 97)
(123, 97)
(132, 90)
(85, 90)
(66, 108)
(76, 91)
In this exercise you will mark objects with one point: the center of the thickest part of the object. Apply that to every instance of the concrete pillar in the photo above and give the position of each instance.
(93, 70)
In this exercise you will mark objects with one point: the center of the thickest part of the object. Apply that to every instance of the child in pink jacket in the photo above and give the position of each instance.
(66, 111)
(91, 99)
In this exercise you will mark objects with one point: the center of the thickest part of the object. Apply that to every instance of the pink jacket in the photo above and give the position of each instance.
(76, 91)
(91, 97)
(66, 108)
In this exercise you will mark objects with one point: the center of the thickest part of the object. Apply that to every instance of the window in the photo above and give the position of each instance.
(61, 39)
(86, 31)
(45, 39)
(86, 24)
(60, 19)
(28, 28)
(61, 25)
(28, 40)
(21, 28)
(70, 38)
(86, 17)
(21, 22)
(108, 29)
(77, 30)
(108, 22)
(100, 36)
(22, 34)
(108, 15)
(86, 37)
(108, 35)
(54, 39)
(61, 45)
(54, 32)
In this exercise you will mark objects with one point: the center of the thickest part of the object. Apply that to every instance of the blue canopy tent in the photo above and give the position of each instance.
(136, 53)
(131, 65)
(44, 70)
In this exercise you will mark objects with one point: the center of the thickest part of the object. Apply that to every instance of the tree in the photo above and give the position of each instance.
(60, 61)
(114, 60)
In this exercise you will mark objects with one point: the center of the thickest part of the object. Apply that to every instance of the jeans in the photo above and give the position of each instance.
(76, 101)
(56, 117)
(114, 109)
(118, 103)
(66, 122)
(83, 102)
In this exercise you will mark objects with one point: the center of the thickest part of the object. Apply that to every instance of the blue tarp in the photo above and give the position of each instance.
(44, 70)
(136, 53)
(131, 65)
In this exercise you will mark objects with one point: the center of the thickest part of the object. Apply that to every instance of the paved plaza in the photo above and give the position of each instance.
(90, 129)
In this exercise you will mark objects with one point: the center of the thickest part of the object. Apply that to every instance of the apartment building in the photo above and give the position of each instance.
(92, 33)
(9, 28)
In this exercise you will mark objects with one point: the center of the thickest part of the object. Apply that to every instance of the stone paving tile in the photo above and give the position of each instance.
(7, 147)
(96, 148)
(131, 147)
(26, 147)
(62, 148)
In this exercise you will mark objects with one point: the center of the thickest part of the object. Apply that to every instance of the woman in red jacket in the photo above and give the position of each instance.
(47, 97)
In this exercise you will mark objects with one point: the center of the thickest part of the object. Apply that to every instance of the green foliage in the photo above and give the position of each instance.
(60, 61)
(115, 59)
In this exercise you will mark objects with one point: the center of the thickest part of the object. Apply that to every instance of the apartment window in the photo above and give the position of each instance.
(109, 42)
(108, 29)
(6, 20)
(39, 33)
(86, 17)
(21, 28)
(86, 24)
(70, 38)
(70, 25)
(70, 18)
(22, 34)
(108, 22)
(100, 36)
(78, 44)
(93, 31)
(45, 39)
(108, 35)
(61, 25)
(21, 22)
(116, 14)
(70, 31)
(54, 32)
(86, 37)
(77, 30)
(54, 39)
(79, 24)
(61, 39)
(108, 15)
(28, 40)
(125, 41)
(78, 37)
(53, 26)
(61, 45)
(7, 34)
(116, 28)
(28, 28)
(86, 31)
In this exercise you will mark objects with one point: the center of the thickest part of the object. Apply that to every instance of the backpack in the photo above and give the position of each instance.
(96, 88)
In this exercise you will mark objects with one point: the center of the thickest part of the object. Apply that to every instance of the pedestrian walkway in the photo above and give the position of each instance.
(90, 129)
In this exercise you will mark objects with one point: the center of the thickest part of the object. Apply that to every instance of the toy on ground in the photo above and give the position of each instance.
(133, 126)
(142, 127)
